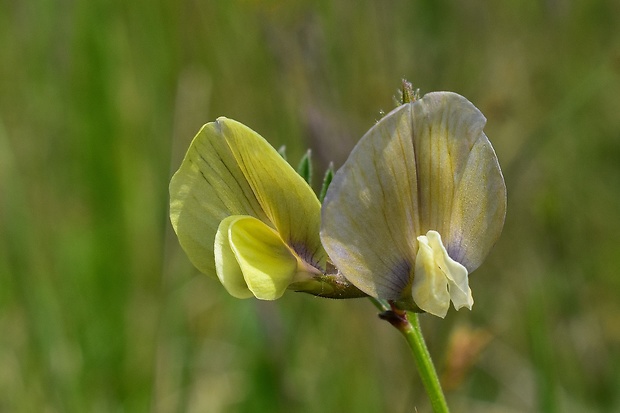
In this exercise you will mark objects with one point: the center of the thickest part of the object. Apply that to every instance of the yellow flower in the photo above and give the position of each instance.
(418, 205)
(243, 214)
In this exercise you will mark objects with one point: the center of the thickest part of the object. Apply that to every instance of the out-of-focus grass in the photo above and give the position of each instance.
(101, 311)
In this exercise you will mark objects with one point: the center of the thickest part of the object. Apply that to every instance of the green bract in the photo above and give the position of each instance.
(418, 205)
(243, 214)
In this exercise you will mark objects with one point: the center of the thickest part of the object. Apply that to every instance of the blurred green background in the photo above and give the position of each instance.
(100, 310)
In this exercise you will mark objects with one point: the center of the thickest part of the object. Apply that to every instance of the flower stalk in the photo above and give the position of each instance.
(409, 326)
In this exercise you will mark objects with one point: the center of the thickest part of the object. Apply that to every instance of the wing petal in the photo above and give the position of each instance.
(226, 265)
(267, 264)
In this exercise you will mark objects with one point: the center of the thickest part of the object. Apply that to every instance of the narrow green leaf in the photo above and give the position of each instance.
(305, 167)
(327, 179)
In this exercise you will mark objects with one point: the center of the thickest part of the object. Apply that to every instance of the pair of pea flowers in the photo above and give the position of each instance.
(416, 207)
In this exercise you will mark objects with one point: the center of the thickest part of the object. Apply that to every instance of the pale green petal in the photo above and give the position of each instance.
(231, 170)
(446, 126)
(284, 196)
(208, 187)
(479, 207)
(430, 284)
(226, 264)
(369, 214)
(267, 264)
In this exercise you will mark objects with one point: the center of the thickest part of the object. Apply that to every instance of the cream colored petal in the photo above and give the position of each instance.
(458, 286)
(267, 264)
(430, 284)
(369, 214)
(438, 278)
(226, 265)
(456, 273)
(288, 201)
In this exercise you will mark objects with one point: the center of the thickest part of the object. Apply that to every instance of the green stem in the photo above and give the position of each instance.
(409, 325)
(413, 335)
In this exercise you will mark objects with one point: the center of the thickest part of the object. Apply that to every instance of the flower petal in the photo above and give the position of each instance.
(369, 214)
(479, 207)
(462, 190)
(226, 264)
(433, 259)
(445, 127)
(231, 170)
(267, 264)
(284, 196)
(430, 284)
(427, 165)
